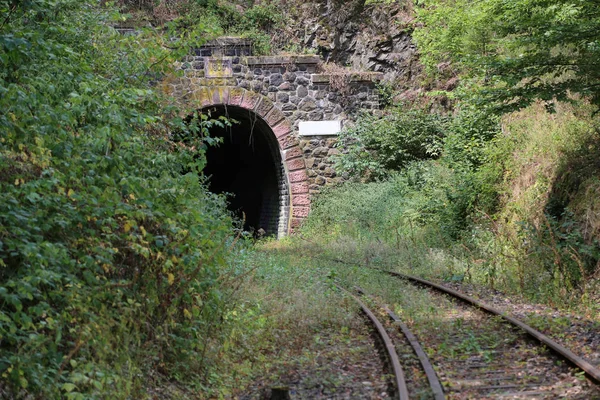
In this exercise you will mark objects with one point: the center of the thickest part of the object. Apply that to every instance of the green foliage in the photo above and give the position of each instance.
(508, 207)
(375, 146)
(516, 51)
(263, 17)
(257, 22)
(110, 246)
(470, 131)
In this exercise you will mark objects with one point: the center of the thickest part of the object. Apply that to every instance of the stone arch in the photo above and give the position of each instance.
(294, 198)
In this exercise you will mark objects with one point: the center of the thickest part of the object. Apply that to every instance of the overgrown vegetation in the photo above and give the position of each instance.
(514, 52)
(510, 202)
(121, 275)
(374, 146)
(257, 22)
(509, 198)
(115, 261)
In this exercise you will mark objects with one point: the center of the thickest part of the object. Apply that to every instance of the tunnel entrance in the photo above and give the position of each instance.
(247, 165)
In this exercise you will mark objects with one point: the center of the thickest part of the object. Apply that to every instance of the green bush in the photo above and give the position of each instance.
(110, 246)
(375, 146)
(468, 136)
(256, 23)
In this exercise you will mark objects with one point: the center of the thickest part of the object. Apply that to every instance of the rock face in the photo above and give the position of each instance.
(374, 37)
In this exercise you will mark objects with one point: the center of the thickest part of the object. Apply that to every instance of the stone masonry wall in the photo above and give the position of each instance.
(297, 90)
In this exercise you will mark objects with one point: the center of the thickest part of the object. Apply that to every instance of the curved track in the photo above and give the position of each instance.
(432, 378)
(399, 379)
(505, 362)
(592, 372)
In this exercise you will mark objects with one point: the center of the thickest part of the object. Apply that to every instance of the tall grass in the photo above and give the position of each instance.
(523, 218)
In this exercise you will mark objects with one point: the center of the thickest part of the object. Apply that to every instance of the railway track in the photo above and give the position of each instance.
(482, 353)
(404, 347)
(494, 355)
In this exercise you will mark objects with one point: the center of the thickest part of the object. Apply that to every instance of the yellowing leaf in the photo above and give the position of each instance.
(68, 387)
(170, 278)
(186, 313)
(131, 196)
(70, 193)
(17, 182)
(127, 227)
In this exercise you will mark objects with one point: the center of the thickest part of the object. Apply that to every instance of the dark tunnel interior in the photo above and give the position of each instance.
(246, 165)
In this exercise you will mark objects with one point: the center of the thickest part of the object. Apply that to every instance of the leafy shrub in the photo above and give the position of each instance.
(261, 17)
(520, 51)
(224, 18)
(375, 146)
(468, 136)
(110, 246)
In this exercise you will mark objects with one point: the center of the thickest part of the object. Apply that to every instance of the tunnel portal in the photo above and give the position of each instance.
(247, 165)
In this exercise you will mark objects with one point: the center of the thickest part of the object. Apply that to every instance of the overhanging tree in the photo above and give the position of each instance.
(516, 50)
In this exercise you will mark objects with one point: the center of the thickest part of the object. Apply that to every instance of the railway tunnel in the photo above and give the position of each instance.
(247, 166)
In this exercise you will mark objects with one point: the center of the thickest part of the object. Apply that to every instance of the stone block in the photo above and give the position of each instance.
(300, 212)
(295, 164)
(302, 91)
(264, 108)
(306, 59)
(301, 200)
(276, 79)
(274, 116)
(298, 176)
(256, 86)
(300, 187)
(316, 115)
(289, 76)
(287, 142)
(320, 180)
(307, 104)
(282, 97)
(302, 80)
(204, 97)
(282, 130)
(288, 106)
(235, 96)
(250, 100)
(220, 95)
(329, 172)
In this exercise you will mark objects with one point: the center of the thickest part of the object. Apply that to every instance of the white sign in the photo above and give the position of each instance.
(320, 128)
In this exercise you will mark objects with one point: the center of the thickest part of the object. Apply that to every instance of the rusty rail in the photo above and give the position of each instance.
(591, 371)
(434, 382)
(387, 341)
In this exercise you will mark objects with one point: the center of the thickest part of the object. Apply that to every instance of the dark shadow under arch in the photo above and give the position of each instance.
(248, 165)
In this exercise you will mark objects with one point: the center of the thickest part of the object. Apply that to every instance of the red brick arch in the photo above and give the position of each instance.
(291, 155)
